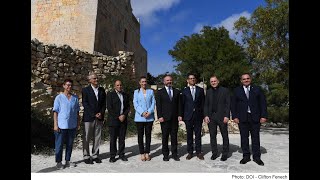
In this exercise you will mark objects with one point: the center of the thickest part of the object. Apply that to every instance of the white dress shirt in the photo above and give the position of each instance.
(121, 99)
(95, 90)
(171, 90)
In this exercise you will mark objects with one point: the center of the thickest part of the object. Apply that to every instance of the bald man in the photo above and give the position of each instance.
(118, 109)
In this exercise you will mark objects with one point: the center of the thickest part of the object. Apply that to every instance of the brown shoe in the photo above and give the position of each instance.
(148, 158)
(200, 156)
(143, 158)
(189, 156)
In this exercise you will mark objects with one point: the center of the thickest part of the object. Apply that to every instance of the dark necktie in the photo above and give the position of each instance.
(169, 92)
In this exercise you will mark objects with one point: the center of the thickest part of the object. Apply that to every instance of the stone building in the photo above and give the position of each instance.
(96, 26)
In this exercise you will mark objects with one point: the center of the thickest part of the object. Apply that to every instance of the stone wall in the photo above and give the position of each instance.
(118, 29)
(71, 22)
(51, 64)
(104, 26)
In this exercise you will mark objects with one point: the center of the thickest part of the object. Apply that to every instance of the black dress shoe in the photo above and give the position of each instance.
(176, 158)
(213, 157)
(200, 156)
(165, 158)
(88, 161)
(123, 158)
(259, 162)
(245, 160)
(224, 158)
(112, 159)
(97, 160)
(190, 155)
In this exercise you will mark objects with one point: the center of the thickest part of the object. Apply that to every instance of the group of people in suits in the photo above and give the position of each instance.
(247, 107)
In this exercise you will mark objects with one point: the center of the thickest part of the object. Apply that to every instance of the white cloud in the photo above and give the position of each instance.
(145, 9)
(197, 28)
(229, 24)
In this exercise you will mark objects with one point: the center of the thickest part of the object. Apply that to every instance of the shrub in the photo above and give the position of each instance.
(42, 137)
(278, 114)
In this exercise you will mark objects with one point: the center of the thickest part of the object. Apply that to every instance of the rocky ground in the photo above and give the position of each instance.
(274, 149)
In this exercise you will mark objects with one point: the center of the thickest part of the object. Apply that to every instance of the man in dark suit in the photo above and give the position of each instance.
(118, 109)
(168, 110)
(249, 109)
(192, 101)
(94, 103)
(217, 113)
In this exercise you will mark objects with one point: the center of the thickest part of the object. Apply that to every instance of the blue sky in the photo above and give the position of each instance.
(164, 22)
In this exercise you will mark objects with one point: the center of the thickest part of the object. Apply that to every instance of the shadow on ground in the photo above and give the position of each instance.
(182, 149)
(129, 151)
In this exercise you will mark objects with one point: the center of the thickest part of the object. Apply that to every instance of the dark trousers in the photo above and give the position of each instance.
(254, 129)
(64, 136)
(193, 125)
(144, 128)
(117, 132)
(169, 128)
(213, 136)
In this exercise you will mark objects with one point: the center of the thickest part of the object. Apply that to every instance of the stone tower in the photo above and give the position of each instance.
(95, 26)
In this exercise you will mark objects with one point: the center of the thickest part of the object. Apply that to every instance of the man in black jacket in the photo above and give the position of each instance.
(217, 113)
(118, 108)
(168, 110)
(94, 103)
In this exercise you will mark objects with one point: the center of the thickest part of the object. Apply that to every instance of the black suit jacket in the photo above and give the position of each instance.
(223, 104)
(91, 105)
(166, 108)
(257, 103)
(114, 107)
(189, 107)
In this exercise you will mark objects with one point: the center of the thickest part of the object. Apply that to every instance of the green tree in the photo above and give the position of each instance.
(178, 80)
(211, 52)
(151, 79)
(266, 38)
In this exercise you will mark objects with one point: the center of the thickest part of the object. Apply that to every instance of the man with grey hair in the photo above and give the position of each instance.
(94, 103)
